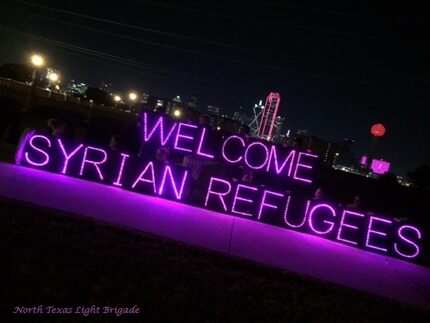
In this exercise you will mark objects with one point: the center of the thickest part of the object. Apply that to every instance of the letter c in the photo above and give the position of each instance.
(233, 161)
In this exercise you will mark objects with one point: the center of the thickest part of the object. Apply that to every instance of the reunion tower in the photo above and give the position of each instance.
(268, 116)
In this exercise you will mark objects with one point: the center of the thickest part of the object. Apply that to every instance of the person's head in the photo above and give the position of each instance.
(57, 127)
(357, 201)
(162, 155)
(204, 119)
(114, 142)
(319, 194)
(298, 143)
(244, 130)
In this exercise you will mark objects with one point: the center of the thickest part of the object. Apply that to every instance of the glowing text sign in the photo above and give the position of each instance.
(255, 202)
(233, 149)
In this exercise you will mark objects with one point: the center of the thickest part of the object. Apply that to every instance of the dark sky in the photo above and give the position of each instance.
(339, 66)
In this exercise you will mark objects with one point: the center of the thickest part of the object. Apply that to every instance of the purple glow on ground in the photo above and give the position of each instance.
(294, 251)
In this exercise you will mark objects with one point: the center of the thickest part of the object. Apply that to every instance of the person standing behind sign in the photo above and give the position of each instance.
(57, 127)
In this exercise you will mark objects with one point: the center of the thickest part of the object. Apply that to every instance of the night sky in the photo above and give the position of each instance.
(339, 67)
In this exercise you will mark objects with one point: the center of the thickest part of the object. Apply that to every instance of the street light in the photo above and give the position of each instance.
(54, 77)
(132, 96)
(117, 98)
(37, 60)
(177, 113)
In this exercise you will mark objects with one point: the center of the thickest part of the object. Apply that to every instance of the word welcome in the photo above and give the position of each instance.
(320, 218)
(233, 149)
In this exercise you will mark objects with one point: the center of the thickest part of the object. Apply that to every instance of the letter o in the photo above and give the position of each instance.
(265, 150)
(233, 161)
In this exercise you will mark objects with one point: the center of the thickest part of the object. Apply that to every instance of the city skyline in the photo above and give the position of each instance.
(340, 94)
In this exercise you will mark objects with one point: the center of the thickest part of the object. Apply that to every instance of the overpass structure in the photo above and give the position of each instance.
(17, 94)
(45, 104)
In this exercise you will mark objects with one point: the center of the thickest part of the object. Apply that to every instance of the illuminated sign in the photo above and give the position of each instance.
(380, 166)
(264, 203)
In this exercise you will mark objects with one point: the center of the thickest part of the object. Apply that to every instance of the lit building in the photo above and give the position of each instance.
(242, 116)
(144, 98)
(213, 110)
(343, 155)
(380, 166)
(277, 135)
(268, 116)
(169, 106)
(76, 88)
(331, 153)
(106, 86)
(192, 103)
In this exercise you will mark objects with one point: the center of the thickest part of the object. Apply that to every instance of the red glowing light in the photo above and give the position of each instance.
(378, 130)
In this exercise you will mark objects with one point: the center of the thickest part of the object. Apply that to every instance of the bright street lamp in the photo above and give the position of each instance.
(132, 96)
(37, 60)
(54, 77)
(177, 113)
(116, 98)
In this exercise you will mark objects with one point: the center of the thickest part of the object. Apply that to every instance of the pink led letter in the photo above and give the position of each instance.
(94, 162)
(311, 214)
(304, 216)
(199, 149)
(67, 156)
(266, 153)
(274, 157)
(263, 202)
(179, 135)
(417, 249)
(379, 233)
(149, 166)
(343, 224)
(167, 170)
(295, 176)
(121, 168)
(238, 198)
(225, 144)
(46, 161)
(219, 194)
(159, 124)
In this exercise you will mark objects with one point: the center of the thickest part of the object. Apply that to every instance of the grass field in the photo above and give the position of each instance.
(52, 258)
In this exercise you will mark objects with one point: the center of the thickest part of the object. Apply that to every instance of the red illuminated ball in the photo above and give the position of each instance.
(378, 130)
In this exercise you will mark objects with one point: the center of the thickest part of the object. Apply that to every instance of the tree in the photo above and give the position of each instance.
(420, 176)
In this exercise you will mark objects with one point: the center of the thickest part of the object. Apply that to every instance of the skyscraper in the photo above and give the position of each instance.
(213, 110)
(268, 116)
